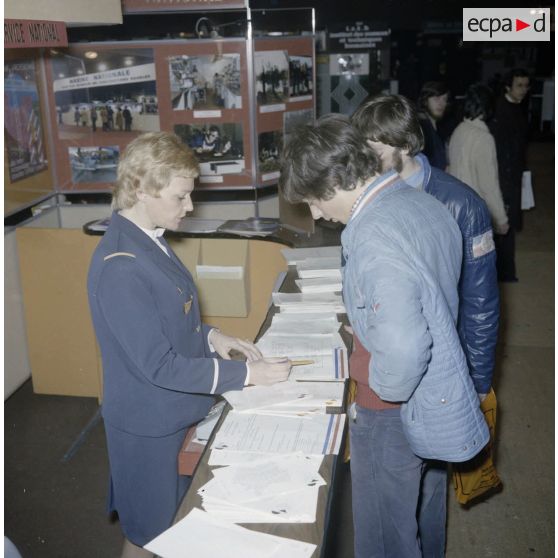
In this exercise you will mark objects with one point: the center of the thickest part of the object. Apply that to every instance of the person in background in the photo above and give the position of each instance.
(472, 154)
(161, 365)
(119, 119)
(432, 104)
(127, 115)
(402, 260)
(390, 125)
(509, 128)
(93, 117)
(83, 115)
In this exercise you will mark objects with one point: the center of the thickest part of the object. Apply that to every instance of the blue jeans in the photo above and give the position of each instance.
(388, 491)
(432, 514)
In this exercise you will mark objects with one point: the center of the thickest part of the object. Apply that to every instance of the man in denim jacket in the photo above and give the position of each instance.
(392, 128)
(402, 252)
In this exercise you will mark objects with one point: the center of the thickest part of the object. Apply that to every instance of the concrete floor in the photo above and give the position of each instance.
(56, 508)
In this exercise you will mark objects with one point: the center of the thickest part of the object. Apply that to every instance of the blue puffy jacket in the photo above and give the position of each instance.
(479, 303)
(402, 253)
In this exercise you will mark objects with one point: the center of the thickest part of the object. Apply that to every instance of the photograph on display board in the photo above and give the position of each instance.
(300, 76)
(23, 133)
(205, 82)
(294, 118)
(218, 147)
(349, 64)
(272, 76)
(94, 164)
(105, 91)
(270, 145)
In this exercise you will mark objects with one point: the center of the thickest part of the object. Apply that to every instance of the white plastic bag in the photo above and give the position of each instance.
(527, 198)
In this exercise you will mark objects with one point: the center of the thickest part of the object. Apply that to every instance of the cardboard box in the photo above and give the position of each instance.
(222, 278)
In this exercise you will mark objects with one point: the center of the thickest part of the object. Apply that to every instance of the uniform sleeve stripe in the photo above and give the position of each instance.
(118, 254)
(215, 376)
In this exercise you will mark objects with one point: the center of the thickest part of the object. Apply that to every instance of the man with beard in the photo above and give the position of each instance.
(391, 127)
(509, 128)
(433, 102)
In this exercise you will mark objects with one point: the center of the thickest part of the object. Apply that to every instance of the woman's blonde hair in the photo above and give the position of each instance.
(149, 163)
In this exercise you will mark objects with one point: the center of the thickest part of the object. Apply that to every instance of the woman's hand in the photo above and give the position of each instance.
(269, 371)
(224, 344)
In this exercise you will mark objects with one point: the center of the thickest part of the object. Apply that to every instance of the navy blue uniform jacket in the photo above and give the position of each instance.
(159, 373)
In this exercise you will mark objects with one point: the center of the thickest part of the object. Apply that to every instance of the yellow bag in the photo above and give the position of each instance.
(478, 475)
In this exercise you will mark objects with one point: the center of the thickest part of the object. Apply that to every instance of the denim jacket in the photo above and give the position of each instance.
(402, 252)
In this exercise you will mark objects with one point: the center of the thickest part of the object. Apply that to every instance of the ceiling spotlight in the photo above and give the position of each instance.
(91, 54)
(128, 61)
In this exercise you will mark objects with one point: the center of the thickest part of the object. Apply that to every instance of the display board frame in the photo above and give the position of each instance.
(153, 79)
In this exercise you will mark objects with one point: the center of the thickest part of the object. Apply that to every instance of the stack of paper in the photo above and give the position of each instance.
(309, 302)
(300, 346)
(295, 255)
(319, 267)
(319, 285)
(333, 367)
(288, 398)
(270, 489)
(242, 432)
(201, 536)
(302, 322)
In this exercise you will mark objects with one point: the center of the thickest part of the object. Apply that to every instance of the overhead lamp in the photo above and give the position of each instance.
(91, 54)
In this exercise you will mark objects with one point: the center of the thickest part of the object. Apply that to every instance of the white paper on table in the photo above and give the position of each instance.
(303, 327)
(284, 345)
(319, 267)
(292, 507)
(294, 255)
(292, 397)
(307, 318)
(319, 285)
(224, 457)
(202, 536)
(309, 302)
(277, 474)
(331, 367)
(260, 433)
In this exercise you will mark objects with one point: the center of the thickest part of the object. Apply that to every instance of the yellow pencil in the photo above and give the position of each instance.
(301, 362)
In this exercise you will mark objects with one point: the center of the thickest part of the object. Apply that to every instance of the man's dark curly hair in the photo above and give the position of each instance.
(320, 158)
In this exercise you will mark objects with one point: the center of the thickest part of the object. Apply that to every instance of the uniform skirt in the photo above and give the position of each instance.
(145, 487)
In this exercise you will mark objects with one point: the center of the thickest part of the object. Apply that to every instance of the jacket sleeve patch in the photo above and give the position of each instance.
(483, 244)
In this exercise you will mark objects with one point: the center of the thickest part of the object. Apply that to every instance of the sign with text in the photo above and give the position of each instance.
(130, 6)
(357, 36)
(31, 33)
(506, 24)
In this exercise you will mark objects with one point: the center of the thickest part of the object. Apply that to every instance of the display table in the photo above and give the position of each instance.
(315, 533)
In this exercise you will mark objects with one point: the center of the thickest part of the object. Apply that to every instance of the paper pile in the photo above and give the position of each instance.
(289, 399)
(202, 536)
(243, 432)
(295, 255)
(319, 285)
(309, 302)
(269, 489)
